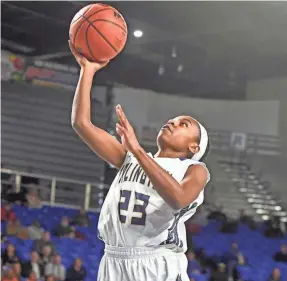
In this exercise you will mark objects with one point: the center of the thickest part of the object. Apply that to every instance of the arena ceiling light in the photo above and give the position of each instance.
(138, 33)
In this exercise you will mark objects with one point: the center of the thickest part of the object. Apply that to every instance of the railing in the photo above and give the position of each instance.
(59, 191)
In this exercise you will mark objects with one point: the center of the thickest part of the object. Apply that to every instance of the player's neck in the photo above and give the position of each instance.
(168, 154)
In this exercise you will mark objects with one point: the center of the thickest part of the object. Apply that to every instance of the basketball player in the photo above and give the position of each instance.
(142, 218)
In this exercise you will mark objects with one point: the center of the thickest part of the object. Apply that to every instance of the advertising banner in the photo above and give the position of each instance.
(12, 66)
(51, 74)
(44, 73)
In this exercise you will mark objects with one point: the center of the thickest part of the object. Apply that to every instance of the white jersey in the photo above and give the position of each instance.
(135, 215)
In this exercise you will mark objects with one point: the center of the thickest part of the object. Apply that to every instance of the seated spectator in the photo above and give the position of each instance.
(7, 213)
(44, 241)
(50, 278)
(9, 255)
(193, 264)
(81, 219)
(229, 226)
(8, 275)
(77, 272)
(3, 238)
(282, 255)
(232, 256)
(273, 227)
(205, 262)
(276, 275)
(241, 262)
(33, 199)
(33, 265)
(14, 228)
(56, 269)
(64, 229)
(35, 231)
(32, 277)
(46, 256)
(217, 214)
(17, 197)
(220, 274)
(17, 269)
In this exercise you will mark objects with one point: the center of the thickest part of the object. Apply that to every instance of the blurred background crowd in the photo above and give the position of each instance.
(223, 63)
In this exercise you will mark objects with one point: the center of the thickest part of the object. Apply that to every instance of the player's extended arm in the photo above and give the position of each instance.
(102, 143)
(177, 195)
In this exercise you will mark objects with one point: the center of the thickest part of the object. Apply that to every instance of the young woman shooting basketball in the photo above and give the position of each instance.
(142, 218)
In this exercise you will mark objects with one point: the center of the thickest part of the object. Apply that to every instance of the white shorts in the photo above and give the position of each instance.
(142, 264)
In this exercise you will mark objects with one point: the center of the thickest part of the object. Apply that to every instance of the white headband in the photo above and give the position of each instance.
(203, 143)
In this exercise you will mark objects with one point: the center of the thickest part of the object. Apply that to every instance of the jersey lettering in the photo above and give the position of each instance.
(132, 172)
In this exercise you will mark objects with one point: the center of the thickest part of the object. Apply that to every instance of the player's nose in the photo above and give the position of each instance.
(171, 122)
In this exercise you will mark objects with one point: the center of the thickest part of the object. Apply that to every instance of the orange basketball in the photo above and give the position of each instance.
(99, 32)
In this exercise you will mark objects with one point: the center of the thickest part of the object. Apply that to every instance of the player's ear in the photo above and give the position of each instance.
(193, 147)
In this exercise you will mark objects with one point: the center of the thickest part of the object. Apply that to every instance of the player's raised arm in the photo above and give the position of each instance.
(102, 143)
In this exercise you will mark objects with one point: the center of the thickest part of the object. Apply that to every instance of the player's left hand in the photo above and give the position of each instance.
(126, 132)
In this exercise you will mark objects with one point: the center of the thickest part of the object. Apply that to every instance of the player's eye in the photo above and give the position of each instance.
(183, 124)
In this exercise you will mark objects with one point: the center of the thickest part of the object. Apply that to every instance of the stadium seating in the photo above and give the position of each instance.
(258, 250)
(89, 250)
(37, 133)
(255, 247)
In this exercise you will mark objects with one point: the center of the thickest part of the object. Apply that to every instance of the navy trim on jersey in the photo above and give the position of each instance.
(172, 237)
(182, 158)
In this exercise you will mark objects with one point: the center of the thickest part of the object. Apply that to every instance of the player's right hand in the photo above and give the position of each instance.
(83, 62)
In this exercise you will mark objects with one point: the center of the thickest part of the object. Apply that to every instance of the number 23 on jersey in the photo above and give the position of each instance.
(136, 207)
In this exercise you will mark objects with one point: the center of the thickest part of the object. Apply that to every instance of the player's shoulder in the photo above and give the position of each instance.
(197, 166)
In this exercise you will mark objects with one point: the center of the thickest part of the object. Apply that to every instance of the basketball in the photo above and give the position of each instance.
(98, 32)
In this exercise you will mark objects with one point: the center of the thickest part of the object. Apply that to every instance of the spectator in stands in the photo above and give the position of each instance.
(273, 227)
(50, 278)
(8, 275)
(33, 199)
(193, 264)
(77, 272)
(56, 269)
(17, 197)
(204, 260)
(217, 214)
(46, 256)
(14, 228)
(241, 262)
(64, 229)
(35, 231)
(276, 275)
(32, 276)
(232, 257)
(33, 265)
(17, 269)
(9, 255)
(45, 241)
(7, 213)
(220, 274)
(3, 238)
(282, 255)
(81, 219)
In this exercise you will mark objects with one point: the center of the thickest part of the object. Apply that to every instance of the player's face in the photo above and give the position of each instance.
(180, 134)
